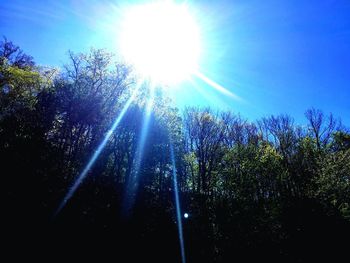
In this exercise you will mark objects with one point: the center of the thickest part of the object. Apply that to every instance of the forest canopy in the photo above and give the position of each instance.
(269, 189)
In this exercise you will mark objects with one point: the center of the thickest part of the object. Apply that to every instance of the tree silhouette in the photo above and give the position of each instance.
(268, 190)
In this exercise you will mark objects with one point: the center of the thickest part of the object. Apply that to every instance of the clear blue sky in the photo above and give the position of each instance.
(279, 56)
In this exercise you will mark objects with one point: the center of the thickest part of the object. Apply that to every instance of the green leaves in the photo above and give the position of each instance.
(237, 179)
(333, 182)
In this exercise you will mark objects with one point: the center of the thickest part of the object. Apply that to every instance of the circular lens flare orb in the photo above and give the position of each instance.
(161, 40)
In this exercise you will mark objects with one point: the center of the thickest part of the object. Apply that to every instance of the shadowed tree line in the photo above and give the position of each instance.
(265, 190)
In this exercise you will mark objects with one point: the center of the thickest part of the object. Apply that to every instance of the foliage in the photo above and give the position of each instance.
(263, 190)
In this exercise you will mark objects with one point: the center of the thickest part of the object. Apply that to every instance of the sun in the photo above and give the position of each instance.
(161, 40)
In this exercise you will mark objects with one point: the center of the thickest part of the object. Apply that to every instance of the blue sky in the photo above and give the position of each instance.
(278, 56)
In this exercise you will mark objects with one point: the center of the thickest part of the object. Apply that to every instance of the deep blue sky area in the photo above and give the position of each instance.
(279, 56)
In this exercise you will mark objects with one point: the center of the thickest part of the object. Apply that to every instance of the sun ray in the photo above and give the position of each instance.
(132, 184)
(210, 98)
(178, 205)
(217, 86)
(97, 152)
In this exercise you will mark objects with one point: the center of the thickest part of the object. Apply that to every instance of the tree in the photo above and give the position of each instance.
(332, 186)
(268, 188)
(320, 127)
(205, 133)
(341, 141)
(12, 55)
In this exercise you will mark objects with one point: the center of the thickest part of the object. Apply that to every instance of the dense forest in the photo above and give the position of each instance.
(268, 190)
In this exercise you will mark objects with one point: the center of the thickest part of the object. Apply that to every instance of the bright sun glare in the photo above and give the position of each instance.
(161, 40)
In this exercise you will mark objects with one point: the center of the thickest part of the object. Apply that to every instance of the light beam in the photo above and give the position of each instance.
(132, 184)
(96, 154)
(216, 86)
(178, 206)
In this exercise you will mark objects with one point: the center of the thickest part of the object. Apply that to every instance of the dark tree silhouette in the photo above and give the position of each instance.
(266, 190)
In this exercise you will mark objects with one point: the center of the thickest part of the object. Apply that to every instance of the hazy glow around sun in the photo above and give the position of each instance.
(161, 40)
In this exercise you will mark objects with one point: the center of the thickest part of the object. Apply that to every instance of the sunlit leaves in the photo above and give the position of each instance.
(333, 181)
